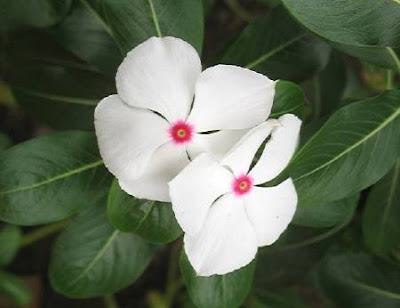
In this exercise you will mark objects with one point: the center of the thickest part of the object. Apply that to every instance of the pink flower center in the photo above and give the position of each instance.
(181, 132)
(242, 185)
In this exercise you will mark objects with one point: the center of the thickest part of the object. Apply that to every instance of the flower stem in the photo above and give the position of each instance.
(110, 301)
(42, 232)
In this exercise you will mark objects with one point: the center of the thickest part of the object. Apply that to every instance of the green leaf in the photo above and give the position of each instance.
(326, 214)
(275, 45)
(360, 281)
(10, 239)
(353, 22)
(219, 291)
(14, 289)
(325, 91)
(20, 14)
(296, 252)
(90, 258)
(380, 223)
(283, 298)
(354, 149)
(132, 22)
(85, 36)
(67, 91)
(5, 142)
(289, 98)
(154, 221)
(50, 178)
(382, 56)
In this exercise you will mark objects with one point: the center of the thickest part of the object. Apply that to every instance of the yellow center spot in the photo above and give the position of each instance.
(243, 185)
(181, 133)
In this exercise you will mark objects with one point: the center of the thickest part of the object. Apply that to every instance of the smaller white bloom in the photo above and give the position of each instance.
(224, 214)
(165, 105)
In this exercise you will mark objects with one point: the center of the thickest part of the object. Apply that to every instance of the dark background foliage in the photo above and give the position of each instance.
(70, 237)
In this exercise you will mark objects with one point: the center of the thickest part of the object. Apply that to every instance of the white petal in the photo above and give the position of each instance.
(227, 241)
(217, 144)
(160, 74)
(279, 149)
(240, 157)
(127, 136)
(195, 189)
(166, 162)
(270, 210)
(231, 97)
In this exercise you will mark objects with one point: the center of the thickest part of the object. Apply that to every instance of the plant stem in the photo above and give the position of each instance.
(240, 11)
(110, 301)
(389, 79)
(173, 281)
(42, 232)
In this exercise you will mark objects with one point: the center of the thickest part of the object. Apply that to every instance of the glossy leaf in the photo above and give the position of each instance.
(13, 288)
(10, 238)
(381, 226)
(353, 150)
(154, 221)
(219, 291)
(275, 45)
(90, 258)
(326, 214)
(86, 37)
(53, 85)
(132, 22)
(360, 281)
(50, 178)
(20, 14)
(353, 22)
(289, 98)
(289, 260)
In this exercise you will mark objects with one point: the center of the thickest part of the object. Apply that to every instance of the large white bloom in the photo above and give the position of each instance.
(223, 212)
(165, 104)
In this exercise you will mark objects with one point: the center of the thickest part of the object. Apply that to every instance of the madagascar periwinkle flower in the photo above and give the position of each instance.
(167, 112)
(219, 204)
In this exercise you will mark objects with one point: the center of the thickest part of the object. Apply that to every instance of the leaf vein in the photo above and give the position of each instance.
(55, 178)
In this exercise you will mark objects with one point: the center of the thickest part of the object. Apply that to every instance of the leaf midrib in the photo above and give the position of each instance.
(372, 289)
(155, 18)
(274, 51)
(97, 257)
(393, 55)
(54, 178)
(59, 98)
(349, 149)
(146, 214)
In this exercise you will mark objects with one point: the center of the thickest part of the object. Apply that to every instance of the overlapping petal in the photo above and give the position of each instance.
(127, 136)
(194, 190)
(166, 162)
(231, 97)
(226, 242)
(270, 210)
(240, 157)
(278, 150)
(217, 143)
(160, 75)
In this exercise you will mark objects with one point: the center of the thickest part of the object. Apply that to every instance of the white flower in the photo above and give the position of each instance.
(150, 129)
(223, 212)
